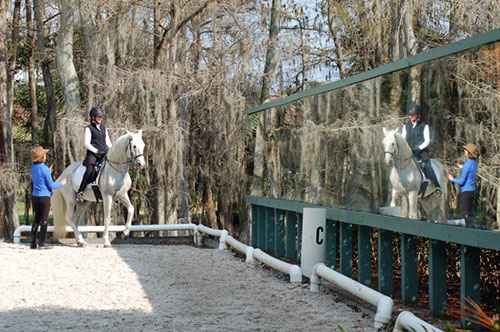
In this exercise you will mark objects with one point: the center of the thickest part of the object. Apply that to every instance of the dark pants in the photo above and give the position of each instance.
(467, 199)
(89, 163)
(41, 207)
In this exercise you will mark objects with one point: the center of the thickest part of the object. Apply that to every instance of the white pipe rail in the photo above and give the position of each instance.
(293, 271)
(114, 228)
(241, 247)
(223, 234)
(407, 321)
(382, 302)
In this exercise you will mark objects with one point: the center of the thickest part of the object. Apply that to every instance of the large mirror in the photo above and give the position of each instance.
(327, 149)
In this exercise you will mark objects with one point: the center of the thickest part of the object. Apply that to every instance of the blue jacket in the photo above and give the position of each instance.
(467, 179)
(42, 180)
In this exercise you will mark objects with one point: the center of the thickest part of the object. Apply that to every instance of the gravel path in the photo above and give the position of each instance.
(157, 288)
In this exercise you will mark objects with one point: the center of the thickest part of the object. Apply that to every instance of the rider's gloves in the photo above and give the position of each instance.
(101, 153)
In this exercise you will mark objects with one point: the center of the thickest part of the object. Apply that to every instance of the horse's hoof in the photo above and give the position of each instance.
(82, 244)
(107, 245)
(126, 233)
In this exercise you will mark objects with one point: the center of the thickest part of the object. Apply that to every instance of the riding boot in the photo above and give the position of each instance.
(43, 233)
(423, 188)
(431, 175)
(469, 221)
(34, 231)
(85, 181)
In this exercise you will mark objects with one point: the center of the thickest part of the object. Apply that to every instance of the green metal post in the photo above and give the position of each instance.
(437, 277)
(291, 234)
(280, 233)
(385, 274)
(331, 244)
(365, 255)
(255, 225)
(299, 236)
(270, 230)
(409, 277)
(345, 248)
(470, 281)
(261, 227)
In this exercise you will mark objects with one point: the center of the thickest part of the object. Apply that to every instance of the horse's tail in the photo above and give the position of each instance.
(59, 212)
(59, 204)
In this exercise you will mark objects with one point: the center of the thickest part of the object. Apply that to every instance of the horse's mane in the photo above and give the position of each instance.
(118, 145)
(401, 142)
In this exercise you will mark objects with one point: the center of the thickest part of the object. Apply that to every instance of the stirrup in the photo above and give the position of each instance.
(79, 197)
(439, 192)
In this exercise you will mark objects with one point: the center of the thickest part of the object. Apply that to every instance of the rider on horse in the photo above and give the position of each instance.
(418, 136)
(97, 142)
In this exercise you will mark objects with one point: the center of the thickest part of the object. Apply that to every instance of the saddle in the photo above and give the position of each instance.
(427, 187)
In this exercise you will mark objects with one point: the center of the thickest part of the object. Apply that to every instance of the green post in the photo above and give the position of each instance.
(255, 225)
(280, 233)
(385, 274)
(470, 281)
(409, 277)
(261, 227)
(365, 255)
(331, 244)
(345, 244)
(299, 236)
(291, 234)
(270, 230)
(437, 277)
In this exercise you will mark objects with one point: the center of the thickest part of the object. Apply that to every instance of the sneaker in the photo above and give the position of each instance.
(43, 246)
(79, 197)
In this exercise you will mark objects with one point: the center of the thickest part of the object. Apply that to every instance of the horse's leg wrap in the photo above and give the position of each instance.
(107, 202)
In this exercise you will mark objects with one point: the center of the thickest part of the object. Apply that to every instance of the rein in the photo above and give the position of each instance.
(407, 160)
(128, 161)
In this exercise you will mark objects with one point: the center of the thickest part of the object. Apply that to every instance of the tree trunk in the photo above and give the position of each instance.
(333, 32)
(271, 59)
(411, 50)
(69, 78)
(395, 55)
(50, 121)
(3, 81)
(12, 55)
(31, 73)
(208, 201)
(8, 213)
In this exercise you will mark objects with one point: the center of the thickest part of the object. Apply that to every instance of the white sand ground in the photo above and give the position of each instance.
(157, 288)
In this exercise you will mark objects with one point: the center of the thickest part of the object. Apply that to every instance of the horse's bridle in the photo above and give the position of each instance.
(132, 158)
(408, 160)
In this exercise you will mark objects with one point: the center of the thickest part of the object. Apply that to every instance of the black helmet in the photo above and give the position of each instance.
(96, 111)
(413, 109)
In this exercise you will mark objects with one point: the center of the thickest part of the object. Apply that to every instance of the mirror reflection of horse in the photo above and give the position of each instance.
(406, 179)
(113, 182)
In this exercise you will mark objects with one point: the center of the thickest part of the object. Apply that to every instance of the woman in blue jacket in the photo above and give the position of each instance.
(42, 191)
(467, 182)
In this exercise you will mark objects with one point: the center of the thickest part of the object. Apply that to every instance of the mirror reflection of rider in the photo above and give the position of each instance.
(418, 136)
(97, 142)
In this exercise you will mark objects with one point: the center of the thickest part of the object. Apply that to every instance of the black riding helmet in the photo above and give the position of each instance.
(413, 109)
(96, 111)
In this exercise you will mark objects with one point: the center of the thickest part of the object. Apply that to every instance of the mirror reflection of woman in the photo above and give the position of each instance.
(467, 182)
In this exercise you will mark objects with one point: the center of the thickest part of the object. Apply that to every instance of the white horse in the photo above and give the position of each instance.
(113, 182)
(406, 179)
